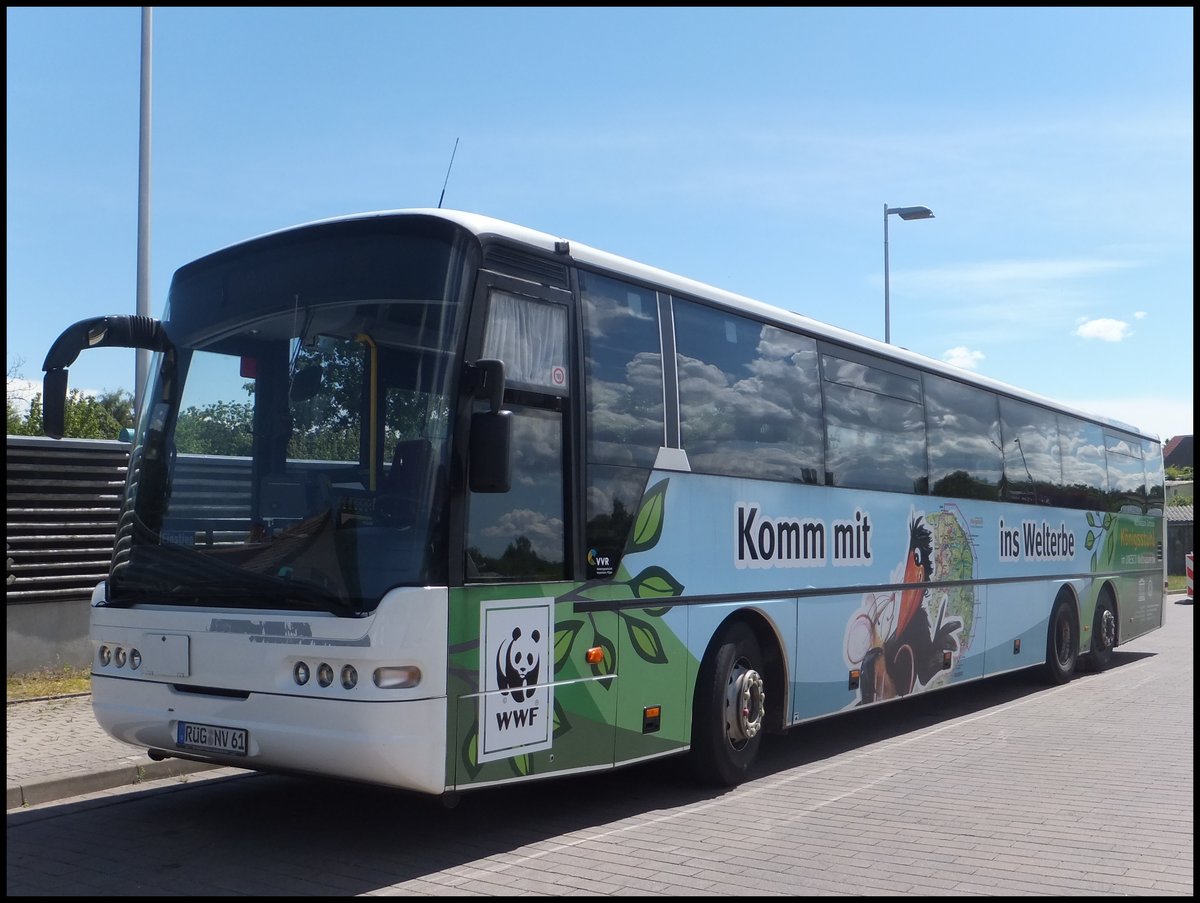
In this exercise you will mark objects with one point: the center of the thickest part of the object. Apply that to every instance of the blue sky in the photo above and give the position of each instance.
(753, 149)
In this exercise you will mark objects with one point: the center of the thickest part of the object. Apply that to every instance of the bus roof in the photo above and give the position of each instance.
(485, 227)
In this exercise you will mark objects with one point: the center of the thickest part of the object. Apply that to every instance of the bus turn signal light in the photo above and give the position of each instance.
(595, 655)
(651, 718)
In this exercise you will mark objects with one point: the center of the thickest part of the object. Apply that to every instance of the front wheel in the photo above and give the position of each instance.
(1062, 643)
(1104, 634)
(728, 714)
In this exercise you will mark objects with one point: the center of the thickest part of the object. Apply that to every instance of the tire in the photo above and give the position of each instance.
(1104, 633)
(1062, 643)
(728, 713)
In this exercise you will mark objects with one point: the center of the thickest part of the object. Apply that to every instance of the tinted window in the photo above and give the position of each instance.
(518, 535)
(1155, 476)
(875, 439)
(964, 440)
(623, 369)
(1085, 481)
(1032, 460)
(613, 494)
(1126, 474)
(749, 396)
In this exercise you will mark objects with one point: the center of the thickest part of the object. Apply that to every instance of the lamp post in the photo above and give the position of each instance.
(142, 356)
(903, 213)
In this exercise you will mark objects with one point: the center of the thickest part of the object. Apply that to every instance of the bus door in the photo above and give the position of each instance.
(530, 701)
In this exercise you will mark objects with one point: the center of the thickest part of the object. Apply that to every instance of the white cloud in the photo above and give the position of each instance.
(1104, 328)
(21, 391)
(1140, 315)
(962, 356)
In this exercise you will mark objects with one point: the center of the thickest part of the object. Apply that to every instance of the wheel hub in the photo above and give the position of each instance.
(1108, 629)
(744, 704)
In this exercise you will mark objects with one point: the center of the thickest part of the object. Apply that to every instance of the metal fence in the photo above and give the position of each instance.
(63, 498)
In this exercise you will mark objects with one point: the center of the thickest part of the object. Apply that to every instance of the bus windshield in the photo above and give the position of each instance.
(293, 452)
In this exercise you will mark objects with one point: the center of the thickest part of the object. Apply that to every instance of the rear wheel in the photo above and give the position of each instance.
(1104, 633)
(1062, 642)
(729, 711)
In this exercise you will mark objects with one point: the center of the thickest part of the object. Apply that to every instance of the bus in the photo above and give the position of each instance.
(431, 501)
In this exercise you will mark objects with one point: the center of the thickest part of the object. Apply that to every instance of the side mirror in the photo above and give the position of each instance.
(489, 382)
(95, 332)
(491, 451)
(54, 403)
(490, 467)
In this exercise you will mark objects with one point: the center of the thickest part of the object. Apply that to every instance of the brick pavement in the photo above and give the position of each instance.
(55, 750)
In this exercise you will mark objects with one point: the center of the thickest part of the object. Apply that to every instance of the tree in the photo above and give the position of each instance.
(85, 418)
(221, 428)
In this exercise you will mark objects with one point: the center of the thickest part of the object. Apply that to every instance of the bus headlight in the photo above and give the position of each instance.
(135, 659)
(397, 677)
(120, 657)
(300, 673)
(105, 656)
(349, 677)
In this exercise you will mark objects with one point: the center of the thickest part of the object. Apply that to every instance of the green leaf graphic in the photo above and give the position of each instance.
(1108, 553)
(1090, 539)
(659, 611)
(520, 764)
(598, 591)
(470, 750)
(1091, 519)
(647, 528)
(645, 639)
(562, 723)
(564, 639)
(654, 582)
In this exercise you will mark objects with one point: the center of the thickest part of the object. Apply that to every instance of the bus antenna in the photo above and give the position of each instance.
(444, 184)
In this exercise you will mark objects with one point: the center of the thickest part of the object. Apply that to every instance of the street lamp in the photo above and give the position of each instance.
(903, 213)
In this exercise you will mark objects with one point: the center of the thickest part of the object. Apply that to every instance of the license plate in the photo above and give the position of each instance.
(211, 738)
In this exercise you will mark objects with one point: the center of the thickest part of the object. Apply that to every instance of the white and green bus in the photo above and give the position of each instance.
(432, 501)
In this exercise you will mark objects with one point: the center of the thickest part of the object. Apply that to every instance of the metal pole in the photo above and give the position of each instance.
(887, 301)
(143, 240)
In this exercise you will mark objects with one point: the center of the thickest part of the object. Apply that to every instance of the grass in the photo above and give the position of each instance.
(1176, 583)
(49, 682)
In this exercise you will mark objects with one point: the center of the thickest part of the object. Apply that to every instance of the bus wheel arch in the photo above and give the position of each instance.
(1062, 638)
(1106, 630)
(738, 694)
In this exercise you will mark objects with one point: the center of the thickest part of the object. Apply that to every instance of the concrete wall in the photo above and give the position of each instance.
(47, 635)
(1179, 487)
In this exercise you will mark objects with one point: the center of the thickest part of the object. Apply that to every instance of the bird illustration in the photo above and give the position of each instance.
(905, 652)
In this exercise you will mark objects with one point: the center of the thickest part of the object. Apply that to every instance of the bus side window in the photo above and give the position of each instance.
(623, 395)
(1033, 471)
(519, 534)
(749, 396)
(964, 440)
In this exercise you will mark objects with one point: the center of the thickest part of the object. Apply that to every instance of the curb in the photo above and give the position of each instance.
(58, 787)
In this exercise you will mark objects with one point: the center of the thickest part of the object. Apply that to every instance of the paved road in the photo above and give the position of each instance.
(999, 788)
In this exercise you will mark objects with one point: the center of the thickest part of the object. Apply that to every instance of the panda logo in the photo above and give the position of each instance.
(517, 665)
